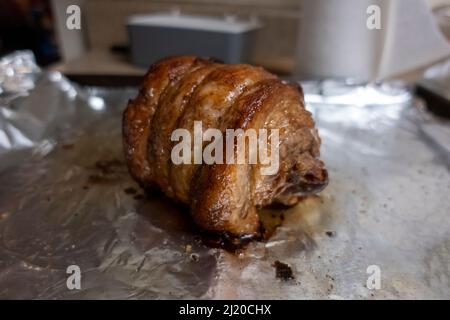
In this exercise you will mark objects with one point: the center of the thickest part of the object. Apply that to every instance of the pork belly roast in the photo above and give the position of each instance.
(222, 197)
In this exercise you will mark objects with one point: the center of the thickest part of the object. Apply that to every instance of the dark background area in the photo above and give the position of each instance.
(28, 24)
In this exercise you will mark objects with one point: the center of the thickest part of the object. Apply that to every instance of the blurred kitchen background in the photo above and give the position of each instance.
(101, 48)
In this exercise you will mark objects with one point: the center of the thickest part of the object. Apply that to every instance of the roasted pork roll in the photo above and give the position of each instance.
(252, 143)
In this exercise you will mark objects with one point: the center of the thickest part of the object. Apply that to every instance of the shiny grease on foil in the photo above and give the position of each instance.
(66, 198)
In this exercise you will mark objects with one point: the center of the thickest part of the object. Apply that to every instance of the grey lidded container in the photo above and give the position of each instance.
(155, 36)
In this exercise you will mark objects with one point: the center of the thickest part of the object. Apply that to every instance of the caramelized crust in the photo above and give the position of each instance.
(137, 118)
(222, 198)
(209, 104)
(173, 102)
(238, 189)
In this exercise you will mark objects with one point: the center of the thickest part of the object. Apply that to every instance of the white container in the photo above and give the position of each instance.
(156, 36)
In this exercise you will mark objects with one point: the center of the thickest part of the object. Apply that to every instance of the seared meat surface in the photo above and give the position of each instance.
(222, 197)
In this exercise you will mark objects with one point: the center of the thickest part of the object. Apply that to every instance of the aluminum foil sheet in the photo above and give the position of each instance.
(66, 199)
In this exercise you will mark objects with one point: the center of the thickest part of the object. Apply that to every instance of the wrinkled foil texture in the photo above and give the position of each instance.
(66, 198)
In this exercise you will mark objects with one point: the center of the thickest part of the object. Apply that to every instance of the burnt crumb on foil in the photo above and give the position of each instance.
(106, 171)
(331, 234)
(68, 146)
(130, 190)
(283, 271)
(108, 166)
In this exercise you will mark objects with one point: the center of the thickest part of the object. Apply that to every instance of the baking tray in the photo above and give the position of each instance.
(66, 199)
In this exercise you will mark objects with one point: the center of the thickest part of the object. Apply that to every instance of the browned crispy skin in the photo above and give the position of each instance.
(173, 102)
(235, 190)
(223, 198)
(138, 115)
(210, 102)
